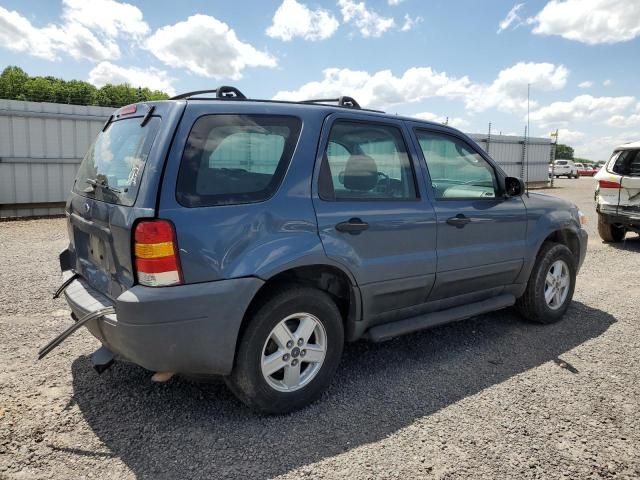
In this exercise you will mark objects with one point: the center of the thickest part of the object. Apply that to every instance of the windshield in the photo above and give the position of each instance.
(112, 168)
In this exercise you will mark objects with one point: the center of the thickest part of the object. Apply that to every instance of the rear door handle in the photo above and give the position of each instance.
(459, 221)
(354, 226)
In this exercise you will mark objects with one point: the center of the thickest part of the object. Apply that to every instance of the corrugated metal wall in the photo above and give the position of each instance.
(42, 144)
(508, 151)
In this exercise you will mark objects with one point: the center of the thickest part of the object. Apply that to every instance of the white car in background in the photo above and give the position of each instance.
(618, 193)
(563, 168)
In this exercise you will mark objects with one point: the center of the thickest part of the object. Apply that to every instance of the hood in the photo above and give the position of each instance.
(544, 200)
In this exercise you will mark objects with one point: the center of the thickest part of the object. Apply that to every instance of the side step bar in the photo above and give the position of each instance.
(388, 331)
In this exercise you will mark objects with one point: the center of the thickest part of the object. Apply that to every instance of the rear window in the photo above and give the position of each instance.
(232, 159)
(562, 162)
(627, 163)
(112, 168)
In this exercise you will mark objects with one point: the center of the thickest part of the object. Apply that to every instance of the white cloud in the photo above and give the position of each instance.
(382, 89)
(294, 19)
(569, 136)
(409, 22)
(624, 121)
(607, 83)
(599, 147)
(582, 107)
(585, 84)
(589, 21)
(508, 92)
(511, 18)
(80, 43)
(368, 22)
(106, 16)
(393, 3)
(457, 122)
(18, 34)
(152, 78)
(206, 46)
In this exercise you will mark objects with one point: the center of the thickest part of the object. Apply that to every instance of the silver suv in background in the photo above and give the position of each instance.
(618, 193)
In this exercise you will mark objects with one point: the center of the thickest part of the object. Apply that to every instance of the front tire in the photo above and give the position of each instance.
(551, 285)
(289, 351)
(609, 232)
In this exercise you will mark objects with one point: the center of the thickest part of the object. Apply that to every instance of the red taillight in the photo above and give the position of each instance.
(608, 184)
(156, 254)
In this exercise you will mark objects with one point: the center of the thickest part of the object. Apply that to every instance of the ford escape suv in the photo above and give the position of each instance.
(213, 234)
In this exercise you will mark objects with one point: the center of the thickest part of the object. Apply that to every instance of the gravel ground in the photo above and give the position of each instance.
(493, 397)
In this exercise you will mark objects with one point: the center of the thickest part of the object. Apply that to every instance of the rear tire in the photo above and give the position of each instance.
(610, 233)
(265, 345)
(553, 276)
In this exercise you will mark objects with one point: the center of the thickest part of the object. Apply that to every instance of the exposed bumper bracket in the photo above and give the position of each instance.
(44, 351)
(65, 284)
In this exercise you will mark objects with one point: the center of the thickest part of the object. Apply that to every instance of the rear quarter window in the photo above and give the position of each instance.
(232, 159)
(627, 163)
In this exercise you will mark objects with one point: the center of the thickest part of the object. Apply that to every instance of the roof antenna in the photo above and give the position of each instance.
(527, 135)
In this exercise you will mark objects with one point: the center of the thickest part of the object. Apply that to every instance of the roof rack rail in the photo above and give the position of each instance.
(222, 92)
(343, 101)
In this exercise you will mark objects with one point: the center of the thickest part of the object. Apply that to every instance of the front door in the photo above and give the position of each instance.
(481, 233)
(373, 214)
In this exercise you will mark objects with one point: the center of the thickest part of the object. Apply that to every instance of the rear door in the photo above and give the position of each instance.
(115, 185)
(373, 213)
(481, 234)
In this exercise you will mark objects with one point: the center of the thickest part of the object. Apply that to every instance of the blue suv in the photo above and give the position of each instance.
(216, 235)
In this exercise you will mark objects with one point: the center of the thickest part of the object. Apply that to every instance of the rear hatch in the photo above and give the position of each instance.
(628, 167)
(117, 184)
(619, 184)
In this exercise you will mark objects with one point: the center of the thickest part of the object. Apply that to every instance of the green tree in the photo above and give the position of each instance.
(564, 151)
(80, 93)
(15, 84)
(12, 82)
(117, 95)
(39, 89)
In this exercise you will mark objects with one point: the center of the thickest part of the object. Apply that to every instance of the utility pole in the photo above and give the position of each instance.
(528, 134)
(553, 156)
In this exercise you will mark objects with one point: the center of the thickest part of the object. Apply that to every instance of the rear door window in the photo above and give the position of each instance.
(231, 159)
(112, 168)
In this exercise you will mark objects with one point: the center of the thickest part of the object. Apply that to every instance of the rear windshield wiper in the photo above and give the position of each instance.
(95, 183)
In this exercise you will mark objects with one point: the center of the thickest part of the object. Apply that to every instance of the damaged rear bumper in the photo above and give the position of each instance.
(186, 328)
(629, 219)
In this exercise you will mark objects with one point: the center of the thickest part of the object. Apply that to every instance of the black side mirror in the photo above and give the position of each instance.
(513, 186)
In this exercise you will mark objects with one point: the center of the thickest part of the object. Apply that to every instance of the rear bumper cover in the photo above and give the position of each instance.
(630, 219)
(186, 328)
